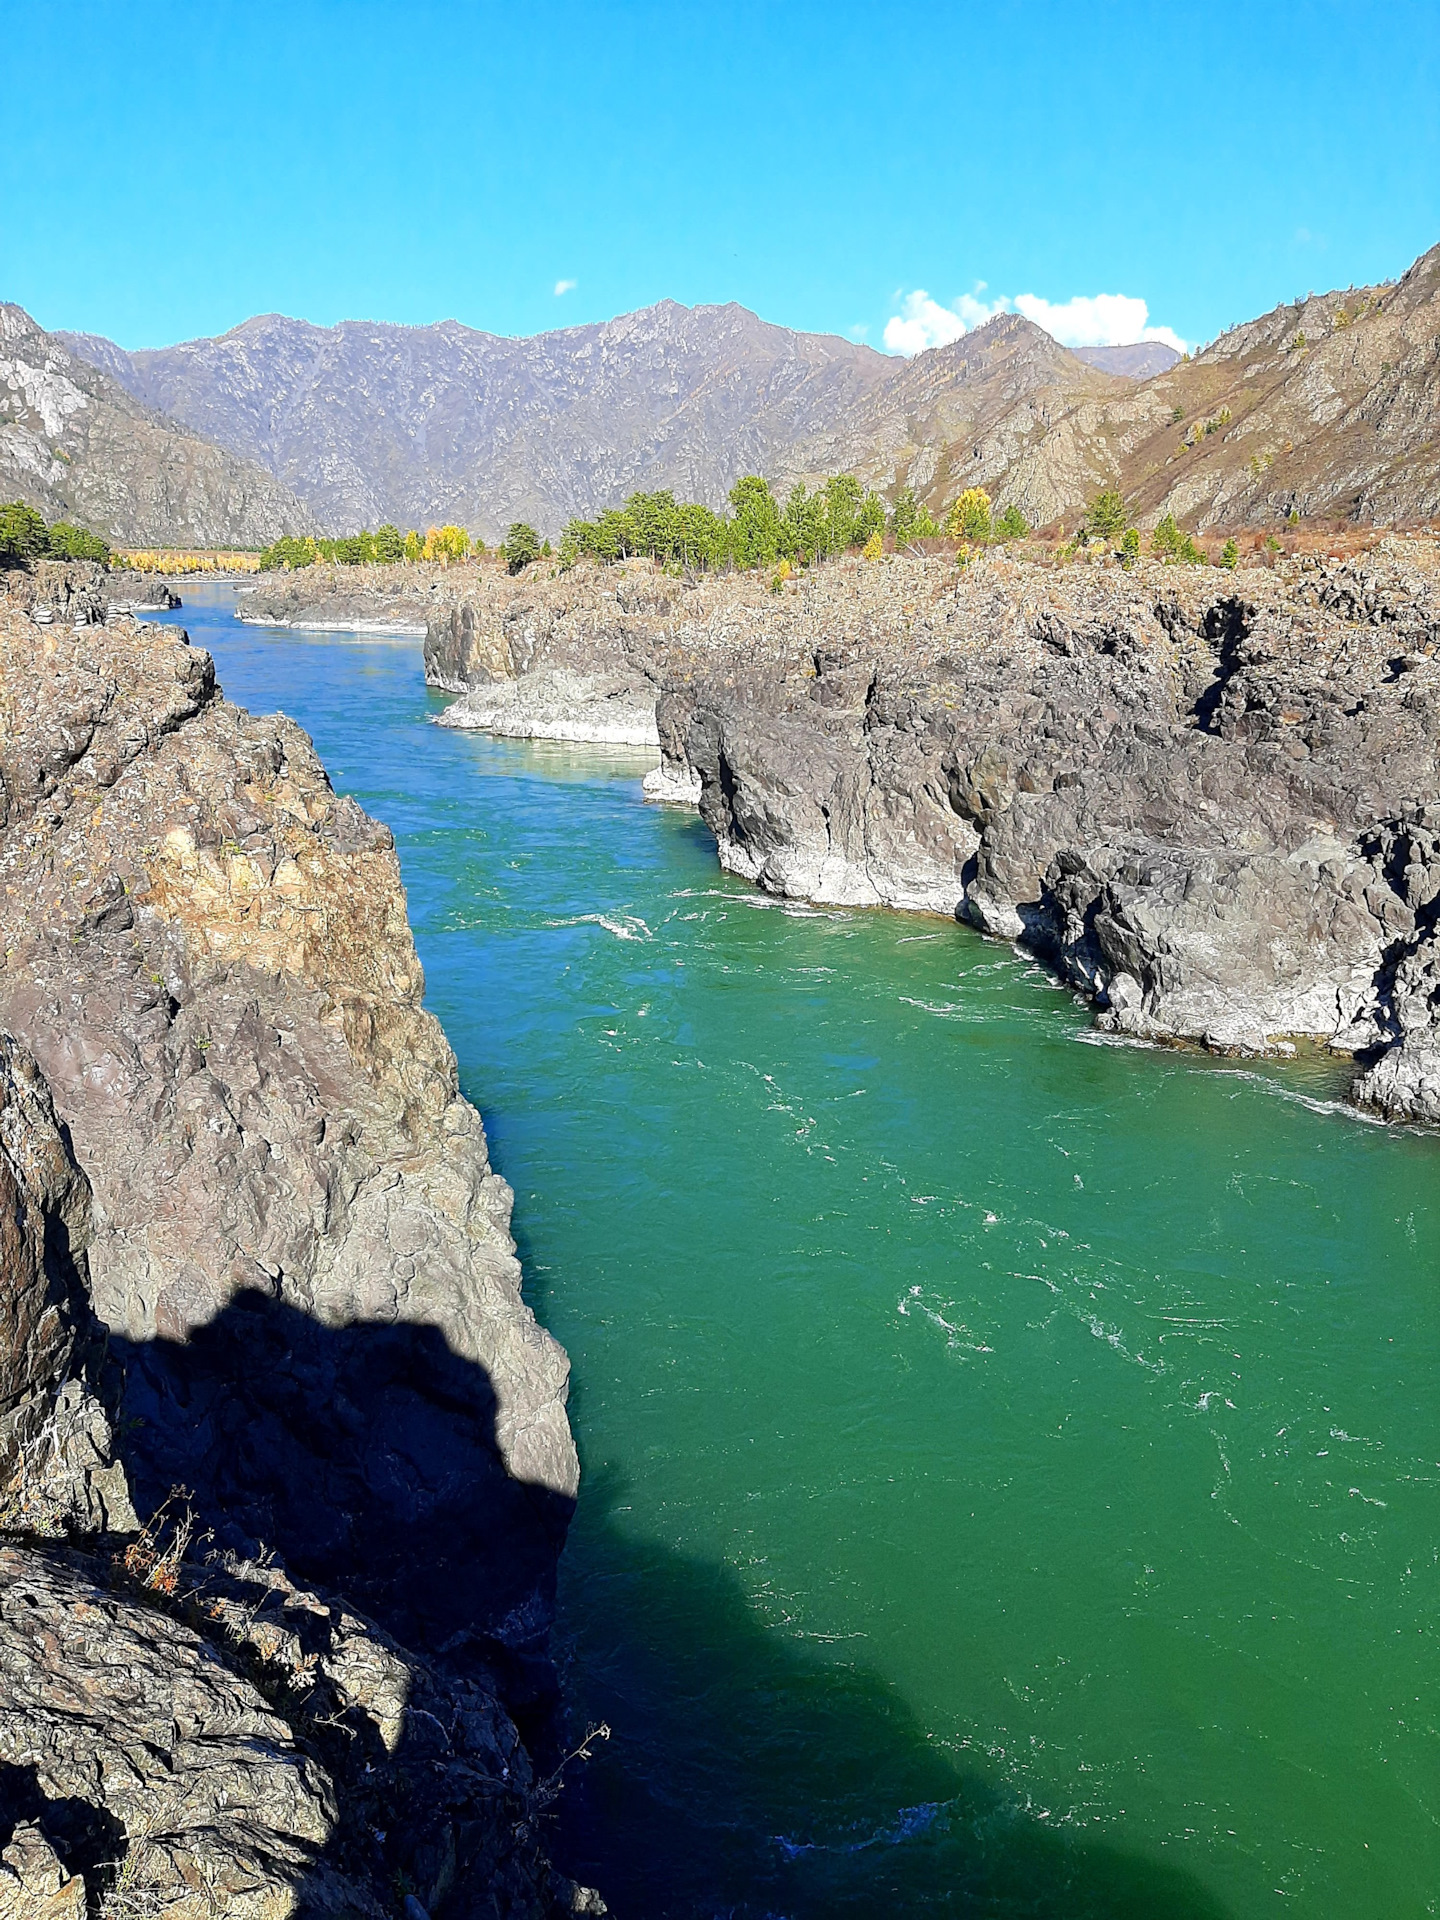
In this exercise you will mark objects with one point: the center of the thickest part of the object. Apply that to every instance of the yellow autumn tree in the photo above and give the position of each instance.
(969, 517)
(447, 543)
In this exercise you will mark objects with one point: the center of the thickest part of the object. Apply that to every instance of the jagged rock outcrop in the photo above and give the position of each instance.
(77, 446)
(210, 1741)
(250, 1242)
(1208, 799)
(57, 1459)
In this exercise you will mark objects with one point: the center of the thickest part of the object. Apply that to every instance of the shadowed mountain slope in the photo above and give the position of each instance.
(76, 445)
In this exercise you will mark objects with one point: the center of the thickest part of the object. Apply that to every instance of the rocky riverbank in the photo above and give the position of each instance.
(254, 1249)
(1209, 800)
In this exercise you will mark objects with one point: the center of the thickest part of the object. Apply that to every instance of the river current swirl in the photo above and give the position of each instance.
(1012, 1472)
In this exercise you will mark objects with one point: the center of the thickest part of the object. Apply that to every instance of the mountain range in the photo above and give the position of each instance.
(77, 446)
(1329, 406)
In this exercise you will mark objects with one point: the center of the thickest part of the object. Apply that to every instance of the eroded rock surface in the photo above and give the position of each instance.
(251, 1244)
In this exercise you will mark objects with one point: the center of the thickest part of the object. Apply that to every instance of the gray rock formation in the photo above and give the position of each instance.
(77, 446)
(244, 1206)
(205, 1739)
(57, 1460)
(1208, 799)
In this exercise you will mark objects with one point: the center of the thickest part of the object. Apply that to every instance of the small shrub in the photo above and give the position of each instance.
(873, 547)
(1012, 525)
(1230, 555)
(1105, 516)
(1130, 548)
(1170, 543)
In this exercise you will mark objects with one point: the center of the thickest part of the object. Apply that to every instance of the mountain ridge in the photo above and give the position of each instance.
(1323, 407)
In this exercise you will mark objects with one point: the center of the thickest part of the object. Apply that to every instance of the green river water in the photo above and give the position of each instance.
(1012, 1474)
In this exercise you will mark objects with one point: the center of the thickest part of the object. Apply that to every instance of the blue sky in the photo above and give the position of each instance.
(168, 170)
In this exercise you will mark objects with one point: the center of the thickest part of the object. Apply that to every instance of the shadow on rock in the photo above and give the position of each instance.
(86, 1837)
(365, 1458)
(812, 1793)
(339, 1468)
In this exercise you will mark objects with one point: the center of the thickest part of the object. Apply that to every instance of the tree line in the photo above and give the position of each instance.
(387, 544)
(756, 532)
(24, 536)
(838, 516)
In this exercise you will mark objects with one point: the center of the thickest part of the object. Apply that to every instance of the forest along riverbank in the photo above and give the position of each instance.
(1008, 1466)
(284, 1459)
(1208, 800)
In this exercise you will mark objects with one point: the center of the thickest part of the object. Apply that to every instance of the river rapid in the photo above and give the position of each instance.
(1011, 1465)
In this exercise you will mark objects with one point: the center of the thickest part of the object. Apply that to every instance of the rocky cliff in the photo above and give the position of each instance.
(251, 1246)
(1209, 800)
(77, 446)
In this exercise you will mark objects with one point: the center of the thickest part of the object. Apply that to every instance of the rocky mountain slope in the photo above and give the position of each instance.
(1209, 800)
(958, 416)
(1326, 408)
(419, 424)
(1329, 407)
(370, 422)
(76, 446)
(253, 1247)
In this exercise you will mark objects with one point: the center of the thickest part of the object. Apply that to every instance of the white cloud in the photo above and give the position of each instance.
(923, 322)
(566, 286)
(1097, 320)
(1086, 320)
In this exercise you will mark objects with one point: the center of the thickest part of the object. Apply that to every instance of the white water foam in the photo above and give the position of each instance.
(624, 926)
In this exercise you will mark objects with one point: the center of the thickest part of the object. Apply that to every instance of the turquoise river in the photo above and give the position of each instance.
(1012, 1472)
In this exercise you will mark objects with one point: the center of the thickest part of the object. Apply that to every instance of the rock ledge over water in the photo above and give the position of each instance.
(1210, 800)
